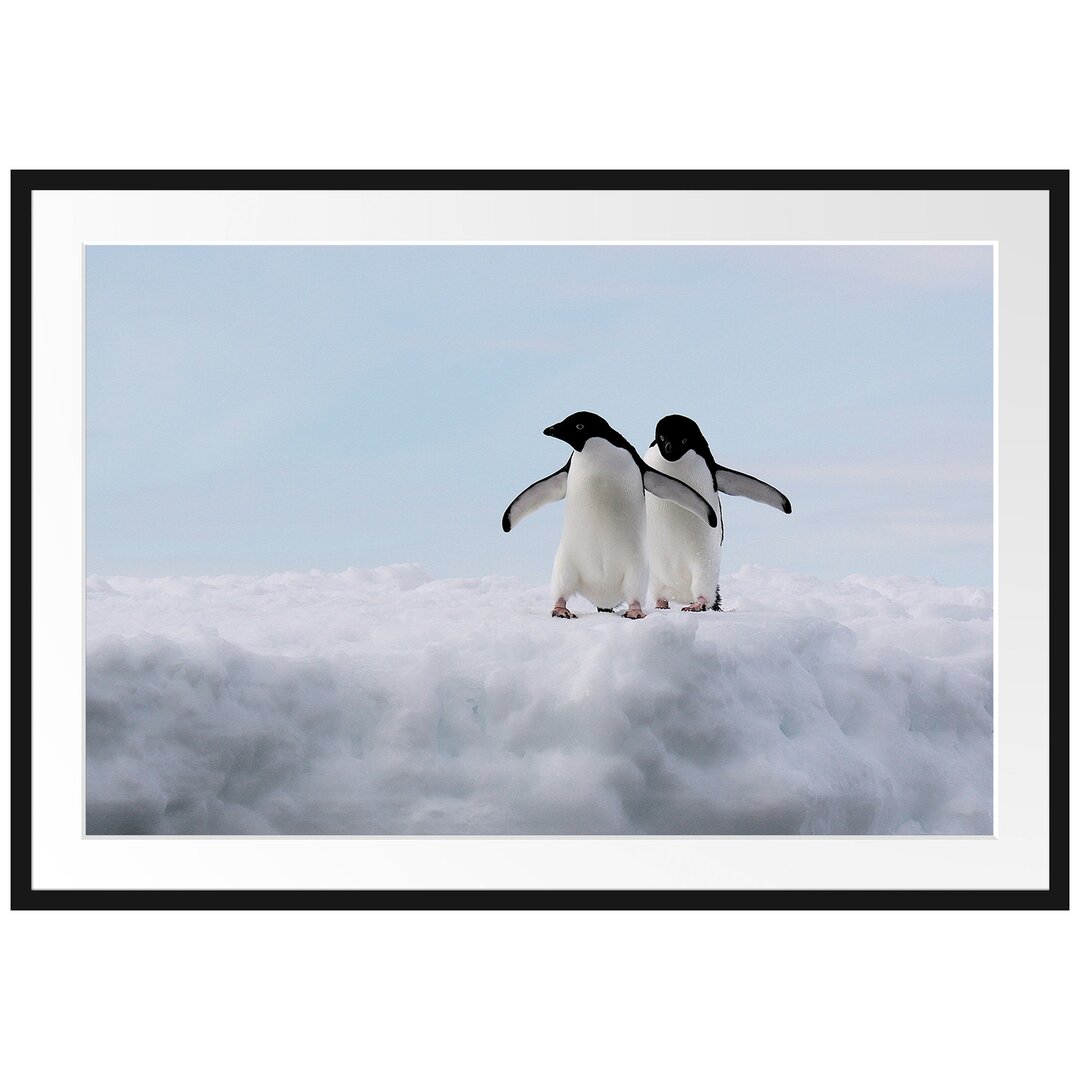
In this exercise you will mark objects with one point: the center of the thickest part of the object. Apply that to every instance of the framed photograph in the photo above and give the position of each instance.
(304, 464)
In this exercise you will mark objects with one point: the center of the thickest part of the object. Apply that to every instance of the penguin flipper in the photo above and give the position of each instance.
(551, 489)
(667, 487)
(730, 482)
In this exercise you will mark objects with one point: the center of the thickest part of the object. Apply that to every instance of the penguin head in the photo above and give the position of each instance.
(579, 427)
(676, 434)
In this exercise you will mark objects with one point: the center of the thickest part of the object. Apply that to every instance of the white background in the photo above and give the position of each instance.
(1014, 858)
(585, 85)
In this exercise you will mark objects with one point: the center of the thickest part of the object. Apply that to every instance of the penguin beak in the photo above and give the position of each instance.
(667, 448)
(551, 431)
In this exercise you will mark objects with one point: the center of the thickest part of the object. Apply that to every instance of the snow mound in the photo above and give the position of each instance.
(381, 701)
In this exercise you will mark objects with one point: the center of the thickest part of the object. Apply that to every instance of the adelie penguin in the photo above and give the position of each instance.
(602, 554)
(684, 557)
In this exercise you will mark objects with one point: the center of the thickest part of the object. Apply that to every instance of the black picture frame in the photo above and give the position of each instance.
(24, 184)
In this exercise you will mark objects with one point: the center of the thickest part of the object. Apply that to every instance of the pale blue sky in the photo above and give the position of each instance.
(255, 409)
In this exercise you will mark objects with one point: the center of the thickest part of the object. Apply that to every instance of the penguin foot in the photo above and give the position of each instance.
(700, 604)
(661, 605)
(561, 611)
(634, 612)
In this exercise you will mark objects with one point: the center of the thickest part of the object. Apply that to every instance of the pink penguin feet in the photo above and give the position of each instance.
(661, 605)
(700, 604)
(634, 611)
(561, 611)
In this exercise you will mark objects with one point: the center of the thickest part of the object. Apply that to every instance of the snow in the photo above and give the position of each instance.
(382, 701)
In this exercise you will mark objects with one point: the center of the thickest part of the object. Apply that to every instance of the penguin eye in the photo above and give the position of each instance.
(581, 427)
(684, 442)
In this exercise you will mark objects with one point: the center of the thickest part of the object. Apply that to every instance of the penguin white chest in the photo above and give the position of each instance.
(684, 553)
(602, 554)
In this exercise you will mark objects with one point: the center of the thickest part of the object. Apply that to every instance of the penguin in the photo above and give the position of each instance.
(684, 557)
(602, 554)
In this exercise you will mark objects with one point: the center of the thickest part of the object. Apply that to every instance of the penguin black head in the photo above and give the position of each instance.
(676, 434)
(579, 427)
